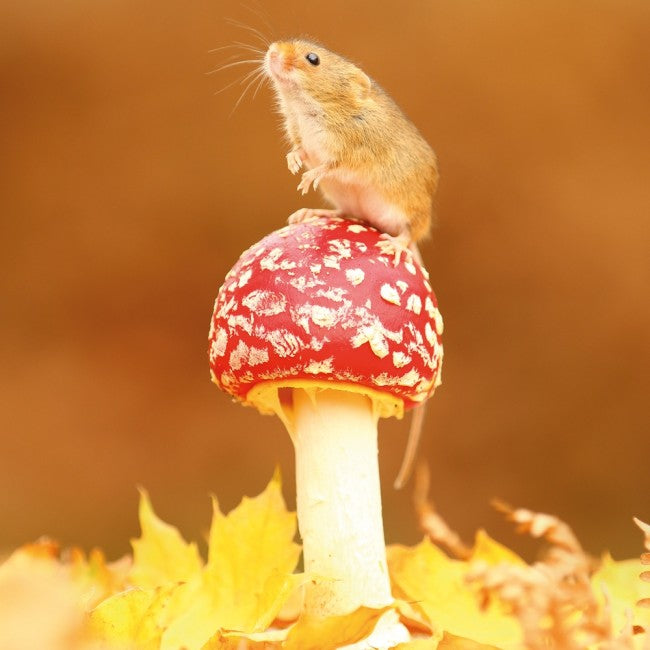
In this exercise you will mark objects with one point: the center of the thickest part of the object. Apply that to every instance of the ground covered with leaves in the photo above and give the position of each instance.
(247, 593)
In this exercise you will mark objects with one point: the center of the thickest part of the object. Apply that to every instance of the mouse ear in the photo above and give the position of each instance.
(362, 83)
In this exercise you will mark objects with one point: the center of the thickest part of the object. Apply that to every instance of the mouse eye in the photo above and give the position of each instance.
(313, 58)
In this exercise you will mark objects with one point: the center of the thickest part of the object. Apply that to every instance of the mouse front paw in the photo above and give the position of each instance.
(313, 176)
(294, 161)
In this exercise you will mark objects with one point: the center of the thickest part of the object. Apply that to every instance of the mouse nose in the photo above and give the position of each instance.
(274, 58)
(274, 50)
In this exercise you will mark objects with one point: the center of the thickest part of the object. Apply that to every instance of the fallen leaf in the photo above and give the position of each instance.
(132, 618)
(160, 555)
(311, 633)
(412, 618)
(249, 573)
(436, 584)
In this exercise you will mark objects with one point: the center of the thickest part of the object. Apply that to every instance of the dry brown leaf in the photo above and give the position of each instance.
(432, 524)
(537, 524)
(560, 602)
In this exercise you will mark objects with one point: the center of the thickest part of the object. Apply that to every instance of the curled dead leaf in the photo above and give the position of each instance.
(430, 520)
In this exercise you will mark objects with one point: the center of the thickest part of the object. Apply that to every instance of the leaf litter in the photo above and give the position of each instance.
(247, 595)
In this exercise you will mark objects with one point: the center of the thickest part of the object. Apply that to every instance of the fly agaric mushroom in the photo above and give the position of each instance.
(317, 324)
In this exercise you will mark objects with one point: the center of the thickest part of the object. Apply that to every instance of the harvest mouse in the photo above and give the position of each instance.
(368, 160)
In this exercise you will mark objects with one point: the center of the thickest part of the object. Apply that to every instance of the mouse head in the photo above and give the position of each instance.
(306, 72)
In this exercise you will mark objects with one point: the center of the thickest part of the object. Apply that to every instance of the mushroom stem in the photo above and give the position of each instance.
(339, 501)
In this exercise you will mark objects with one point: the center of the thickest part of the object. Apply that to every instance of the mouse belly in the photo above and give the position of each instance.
(366, 204)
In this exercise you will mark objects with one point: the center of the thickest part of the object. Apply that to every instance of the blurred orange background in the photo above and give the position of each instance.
(128, 190)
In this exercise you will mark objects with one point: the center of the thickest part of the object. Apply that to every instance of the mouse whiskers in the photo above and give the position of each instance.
(254, 76)
(244, 55)
(254, 32)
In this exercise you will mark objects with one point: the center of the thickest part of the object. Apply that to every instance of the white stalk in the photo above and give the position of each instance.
(339, 501)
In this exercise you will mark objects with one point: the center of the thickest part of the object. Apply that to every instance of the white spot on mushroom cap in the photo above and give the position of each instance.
(229, 306)
(430, 333)
(340, 248)
(219, 344)
(374, 337)
(315, 268)
(400, 359)
(257, 356)
(410, 267)
(331, 262)
(264, 302)
(336, 294)
(317, 344)
(244, 278)
(355, 276)
(238, 356)
(301, 317)
(357, 228)
(324, 316)
(284, 343)
(302, 282)
(389, 294)
(237, 321)
(270, 261)
(245, 355)
(414, 303)
(324, 367)
(402, 286)
(409, 379)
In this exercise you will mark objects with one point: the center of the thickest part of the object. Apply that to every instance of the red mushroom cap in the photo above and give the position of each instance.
(323, 304)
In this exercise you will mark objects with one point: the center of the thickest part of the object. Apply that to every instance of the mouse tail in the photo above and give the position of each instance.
(415, 433)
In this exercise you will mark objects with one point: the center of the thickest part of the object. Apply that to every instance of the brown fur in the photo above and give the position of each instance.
(339, 118)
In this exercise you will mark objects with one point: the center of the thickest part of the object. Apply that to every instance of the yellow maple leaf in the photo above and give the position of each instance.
(160, 554)
(179, 603)
(423, 574)
(130, 618)
(248, 576)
